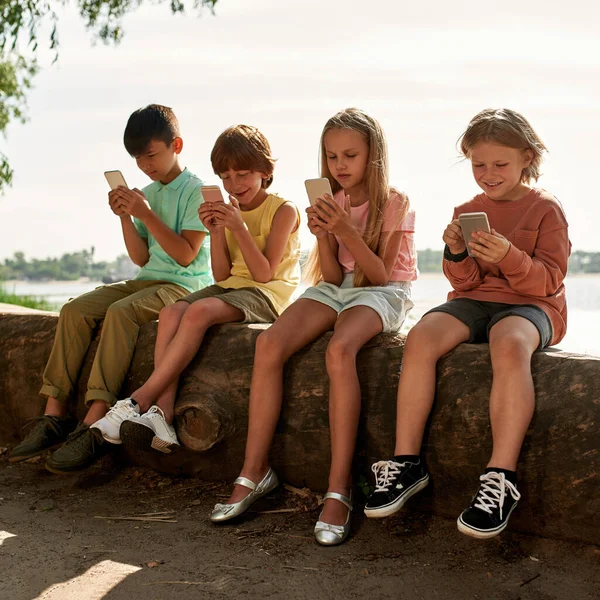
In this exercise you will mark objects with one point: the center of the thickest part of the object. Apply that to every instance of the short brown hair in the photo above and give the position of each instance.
(243, 147)
(505, 127)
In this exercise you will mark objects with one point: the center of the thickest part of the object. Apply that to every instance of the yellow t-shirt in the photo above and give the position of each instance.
(287, 275)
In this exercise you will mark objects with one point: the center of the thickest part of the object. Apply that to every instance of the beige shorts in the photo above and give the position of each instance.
(252, 302)
(391, 302)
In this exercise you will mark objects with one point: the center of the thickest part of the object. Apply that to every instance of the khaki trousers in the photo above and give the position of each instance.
(125, 307)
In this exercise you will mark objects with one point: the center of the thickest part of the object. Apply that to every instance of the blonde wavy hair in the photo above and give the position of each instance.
(505, 127)
(376, 184)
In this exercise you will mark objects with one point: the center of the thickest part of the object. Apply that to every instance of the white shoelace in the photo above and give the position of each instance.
(492, 492)
(156, 411)
(385, 471)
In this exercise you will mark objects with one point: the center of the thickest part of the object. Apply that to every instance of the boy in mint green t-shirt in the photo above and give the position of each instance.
(165, 237)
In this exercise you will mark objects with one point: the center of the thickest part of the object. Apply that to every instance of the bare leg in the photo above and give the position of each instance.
(302, 322)
(168, 323)
(513, 340)
(433, 336)
(95, 412)
(353, 329)
(197, 319)
(55, 408)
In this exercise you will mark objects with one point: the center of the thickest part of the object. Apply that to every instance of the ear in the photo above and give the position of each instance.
(527, 157)
(177, 145)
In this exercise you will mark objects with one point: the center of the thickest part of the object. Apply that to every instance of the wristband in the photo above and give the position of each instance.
(454, 257)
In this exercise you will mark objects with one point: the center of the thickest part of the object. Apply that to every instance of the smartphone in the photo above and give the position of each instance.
(471, 222)
(317, 187)
(212, 193)
(115, 179)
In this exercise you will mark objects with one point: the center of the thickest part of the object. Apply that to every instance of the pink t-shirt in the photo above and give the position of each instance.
(405, 268)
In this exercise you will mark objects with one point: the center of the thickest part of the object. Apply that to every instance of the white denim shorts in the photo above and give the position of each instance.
(391, 302)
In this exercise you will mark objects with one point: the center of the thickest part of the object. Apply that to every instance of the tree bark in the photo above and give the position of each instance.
(558, 470)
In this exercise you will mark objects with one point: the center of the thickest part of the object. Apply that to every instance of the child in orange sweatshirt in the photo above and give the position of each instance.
(509, 292)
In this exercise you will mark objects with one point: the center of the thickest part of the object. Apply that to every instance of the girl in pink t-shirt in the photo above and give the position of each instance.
(363, 265)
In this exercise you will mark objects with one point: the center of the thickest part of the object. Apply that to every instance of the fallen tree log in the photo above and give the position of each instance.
(558, 475)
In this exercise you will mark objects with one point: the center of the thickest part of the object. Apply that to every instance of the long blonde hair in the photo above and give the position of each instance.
(376, 184)
(505, 127)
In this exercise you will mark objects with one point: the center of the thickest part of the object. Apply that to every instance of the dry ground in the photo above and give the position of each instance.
(52, 547)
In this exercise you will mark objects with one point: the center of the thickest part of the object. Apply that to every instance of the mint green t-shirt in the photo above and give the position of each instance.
(177, 205)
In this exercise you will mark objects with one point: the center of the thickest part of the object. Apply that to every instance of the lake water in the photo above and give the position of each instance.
(583, 297)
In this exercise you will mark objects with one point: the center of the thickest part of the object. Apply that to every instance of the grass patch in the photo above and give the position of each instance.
(27, 301)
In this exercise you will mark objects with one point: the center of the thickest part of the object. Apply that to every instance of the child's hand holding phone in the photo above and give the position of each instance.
(491, 247)
(453, 238)
(229, 215)
(133, 202)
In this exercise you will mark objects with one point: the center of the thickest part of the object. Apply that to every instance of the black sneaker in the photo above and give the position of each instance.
(82, 448)
(491, 507)
(47, 434)
(395, 483)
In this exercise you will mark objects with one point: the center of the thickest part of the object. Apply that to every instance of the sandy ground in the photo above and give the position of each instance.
(52, 547)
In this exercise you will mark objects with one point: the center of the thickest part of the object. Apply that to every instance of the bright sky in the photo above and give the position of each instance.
(423, 69)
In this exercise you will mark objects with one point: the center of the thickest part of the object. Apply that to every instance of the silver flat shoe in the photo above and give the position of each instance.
(333, 535)
(224, 512)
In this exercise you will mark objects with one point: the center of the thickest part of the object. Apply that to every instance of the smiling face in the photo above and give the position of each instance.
(347, 155)
(245, 186)
(159, 160)
(498, 170)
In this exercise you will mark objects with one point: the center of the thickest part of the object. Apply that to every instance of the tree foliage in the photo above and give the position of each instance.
(21, 22)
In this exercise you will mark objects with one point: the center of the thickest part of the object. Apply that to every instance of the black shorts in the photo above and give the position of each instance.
(480, 317)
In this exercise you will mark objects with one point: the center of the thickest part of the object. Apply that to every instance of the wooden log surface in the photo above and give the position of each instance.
(558, 471)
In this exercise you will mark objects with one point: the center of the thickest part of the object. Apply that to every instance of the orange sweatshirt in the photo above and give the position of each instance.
(533, 270)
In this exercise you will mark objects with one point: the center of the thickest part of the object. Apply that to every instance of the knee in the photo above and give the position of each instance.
(197, 315)
(423, 341)
(269, 347)
(72, 310)
(173, 313)
(509, 350)
(119, 313)
(340, 355)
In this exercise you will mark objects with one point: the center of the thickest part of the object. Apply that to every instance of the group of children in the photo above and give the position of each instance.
(507, 290)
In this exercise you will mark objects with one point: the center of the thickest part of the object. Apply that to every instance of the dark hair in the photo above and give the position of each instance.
(242, 147)
(153, 122)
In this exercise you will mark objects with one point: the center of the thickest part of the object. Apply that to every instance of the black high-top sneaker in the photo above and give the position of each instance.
(491, 507)
(395, 482)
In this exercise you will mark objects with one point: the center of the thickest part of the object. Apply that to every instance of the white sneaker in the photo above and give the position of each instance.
(110, 424)
(164, 439)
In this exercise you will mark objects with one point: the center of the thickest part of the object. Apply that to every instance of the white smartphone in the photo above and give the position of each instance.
(317, 187)
(471, 222)
(115, 179)
(212, 193)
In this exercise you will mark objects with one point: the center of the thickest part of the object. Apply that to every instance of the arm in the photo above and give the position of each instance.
(331, 270)
(377, 269)
(540, 274)
(544, 272)
(137, 246)
(181, 248)
(336, 220)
